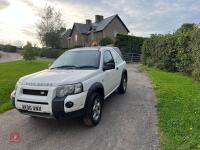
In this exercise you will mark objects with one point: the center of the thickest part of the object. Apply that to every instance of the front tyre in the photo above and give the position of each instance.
(123, 85)
(93, 110)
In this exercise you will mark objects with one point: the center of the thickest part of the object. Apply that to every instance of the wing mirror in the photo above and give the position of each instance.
(109, 66)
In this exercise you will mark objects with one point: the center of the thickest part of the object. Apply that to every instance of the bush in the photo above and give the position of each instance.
(129, 44)
(106, 41)
(28, 52)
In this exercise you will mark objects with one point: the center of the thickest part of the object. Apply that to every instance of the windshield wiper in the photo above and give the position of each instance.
(82, 67)
(65, 66)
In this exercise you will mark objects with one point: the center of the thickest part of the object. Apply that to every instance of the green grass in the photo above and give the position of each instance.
(9, 74)
(178, 106)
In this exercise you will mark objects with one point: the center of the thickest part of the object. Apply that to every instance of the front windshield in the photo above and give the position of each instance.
(77, 60)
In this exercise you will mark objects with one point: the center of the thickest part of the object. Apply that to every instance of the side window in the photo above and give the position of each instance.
(117, 58)
(107, 57)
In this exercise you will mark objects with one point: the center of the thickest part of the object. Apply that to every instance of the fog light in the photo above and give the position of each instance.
(69, 104)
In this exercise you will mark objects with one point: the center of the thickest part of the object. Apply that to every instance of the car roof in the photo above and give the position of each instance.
(100, 48)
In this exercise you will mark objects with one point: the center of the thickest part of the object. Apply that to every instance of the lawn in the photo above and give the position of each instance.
(9, 74)
(178, 106)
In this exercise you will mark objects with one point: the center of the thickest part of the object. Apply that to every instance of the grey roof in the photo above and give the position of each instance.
(96, 27)
(101, 25)
(83, 28)
(66, 33)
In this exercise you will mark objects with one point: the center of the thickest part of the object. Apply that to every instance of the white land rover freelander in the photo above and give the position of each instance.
(76, 84)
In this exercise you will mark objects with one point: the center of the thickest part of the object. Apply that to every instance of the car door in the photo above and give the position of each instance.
(119, 65)
(109, 79)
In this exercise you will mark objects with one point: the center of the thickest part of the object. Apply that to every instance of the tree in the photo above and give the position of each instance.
(28, 52)
(49, 27)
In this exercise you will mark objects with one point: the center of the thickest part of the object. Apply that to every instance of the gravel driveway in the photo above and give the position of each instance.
(6, 57)
(128, 123)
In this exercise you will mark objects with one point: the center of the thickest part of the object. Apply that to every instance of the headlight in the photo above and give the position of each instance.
(16, 86)
(15, 90)
(70, 89)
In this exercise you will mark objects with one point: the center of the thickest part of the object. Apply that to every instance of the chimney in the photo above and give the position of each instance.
(88, 21)
(98, 18)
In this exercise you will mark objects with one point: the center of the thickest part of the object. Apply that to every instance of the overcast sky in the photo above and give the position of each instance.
(18, 18)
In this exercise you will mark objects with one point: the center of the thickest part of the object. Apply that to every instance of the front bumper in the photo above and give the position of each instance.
(52, 108)
(60, 109)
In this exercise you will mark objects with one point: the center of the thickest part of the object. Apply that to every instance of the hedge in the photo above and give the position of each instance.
(32, 52)
(106, 41)
(51, 53)
(129, 44)
(159, 51)
(179, 51)
(195, 46)
(8, 48)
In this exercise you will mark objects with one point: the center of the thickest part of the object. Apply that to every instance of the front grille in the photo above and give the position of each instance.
(35, 92)
(31, 102)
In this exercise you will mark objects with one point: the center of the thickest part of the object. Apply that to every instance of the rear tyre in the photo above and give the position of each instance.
(123, 85)
(93, 111)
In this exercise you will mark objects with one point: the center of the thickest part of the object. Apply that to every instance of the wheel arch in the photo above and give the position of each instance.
(96, 87)
(126, 73)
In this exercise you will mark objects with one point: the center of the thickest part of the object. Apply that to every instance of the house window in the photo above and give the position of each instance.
(76, 38)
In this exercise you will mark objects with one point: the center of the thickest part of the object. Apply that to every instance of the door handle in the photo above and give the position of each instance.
(117, 68)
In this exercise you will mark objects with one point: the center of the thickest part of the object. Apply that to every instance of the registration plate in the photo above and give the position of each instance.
(31, 108)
